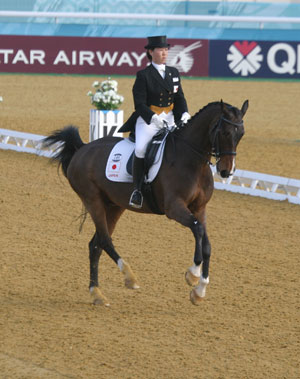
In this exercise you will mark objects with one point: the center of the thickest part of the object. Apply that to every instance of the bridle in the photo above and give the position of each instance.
(215, 141)
(215, 138)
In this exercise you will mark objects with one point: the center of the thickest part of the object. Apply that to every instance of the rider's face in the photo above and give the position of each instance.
(159, 55)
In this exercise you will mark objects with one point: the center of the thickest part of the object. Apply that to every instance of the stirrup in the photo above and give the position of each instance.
(136, 199)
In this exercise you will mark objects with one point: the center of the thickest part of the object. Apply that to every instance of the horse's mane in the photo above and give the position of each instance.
(204, 108)
(212, 104)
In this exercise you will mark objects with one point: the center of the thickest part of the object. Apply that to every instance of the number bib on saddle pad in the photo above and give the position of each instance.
(116, 167)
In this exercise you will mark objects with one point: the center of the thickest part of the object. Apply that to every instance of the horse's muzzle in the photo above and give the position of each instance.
(225, 174)
(226, 166)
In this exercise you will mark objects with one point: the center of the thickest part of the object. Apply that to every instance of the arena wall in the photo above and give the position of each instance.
(81, 40)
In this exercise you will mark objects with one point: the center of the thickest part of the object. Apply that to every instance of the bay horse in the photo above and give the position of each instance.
(182, 187)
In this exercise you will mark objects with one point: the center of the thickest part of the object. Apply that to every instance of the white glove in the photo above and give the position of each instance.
(185, 117)
(158, 122)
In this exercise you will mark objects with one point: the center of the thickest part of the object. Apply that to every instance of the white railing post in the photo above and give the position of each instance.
(105, 123)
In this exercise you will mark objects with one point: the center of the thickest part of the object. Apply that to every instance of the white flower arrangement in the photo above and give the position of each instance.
(106, 96)
(1, 99)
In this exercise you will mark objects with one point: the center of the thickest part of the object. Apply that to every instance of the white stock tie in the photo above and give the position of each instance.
(161, 68)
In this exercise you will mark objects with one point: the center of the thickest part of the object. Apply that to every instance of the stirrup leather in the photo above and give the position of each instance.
(136, 199)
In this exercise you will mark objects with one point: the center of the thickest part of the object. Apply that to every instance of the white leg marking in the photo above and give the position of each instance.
(91, 289)
(130, 279)
(201, 288)
(195, 270)
(120, 264)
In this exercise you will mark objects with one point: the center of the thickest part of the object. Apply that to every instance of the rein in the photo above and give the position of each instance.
(200, 153)
(215, 141)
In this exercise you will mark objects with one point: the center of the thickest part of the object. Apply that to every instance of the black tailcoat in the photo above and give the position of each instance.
(151, 89)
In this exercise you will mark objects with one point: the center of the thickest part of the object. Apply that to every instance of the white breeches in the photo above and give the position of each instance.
(145, 132)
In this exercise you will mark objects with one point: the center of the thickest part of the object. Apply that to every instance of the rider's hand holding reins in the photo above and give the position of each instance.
(158, 122)
(185, 117)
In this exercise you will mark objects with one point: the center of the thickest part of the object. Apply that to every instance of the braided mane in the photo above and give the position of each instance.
(212, 104)
(204, 108)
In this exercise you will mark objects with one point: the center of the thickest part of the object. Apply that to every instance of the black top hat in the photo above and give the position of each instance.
(157, 41)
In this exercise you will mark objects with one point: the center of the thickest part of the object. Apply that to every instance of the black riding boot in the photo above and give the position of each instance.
(136, 199)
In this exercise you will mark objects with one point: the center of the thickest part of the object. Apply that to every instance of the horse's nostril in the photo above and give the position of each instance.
(225, 173)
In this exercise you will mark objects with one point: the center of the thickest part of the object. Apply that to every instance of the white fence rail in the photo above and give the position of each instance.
(157, 17)
(262, 185)
(24, 142)
(244, 182)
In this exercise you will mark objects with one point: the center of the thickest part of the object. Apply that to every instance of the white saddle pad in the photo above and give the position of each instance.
(116, 164)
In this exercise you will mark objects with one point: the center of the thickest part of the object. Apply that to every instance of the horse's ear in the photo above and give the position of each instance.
(222, 105)
(245, 107)
(224, 109)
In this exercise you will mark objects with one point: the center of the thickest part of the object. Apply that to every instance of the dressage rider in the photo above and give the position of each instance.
(157, 96)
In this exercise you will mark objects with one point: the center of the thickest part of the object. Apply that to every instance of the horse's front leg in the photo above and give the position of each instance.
(179, 212)
(194, 276)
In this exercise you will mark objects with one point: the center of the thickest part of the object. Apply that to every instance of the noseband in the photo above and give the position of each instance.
(215, 140)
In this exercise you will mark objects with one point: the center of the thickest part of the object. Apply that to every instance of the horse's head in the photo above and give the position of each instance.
(225, 136)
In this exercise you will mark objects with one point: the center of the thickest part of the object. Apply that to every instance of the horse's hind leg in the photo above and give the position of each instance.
(105, 220)
(113, 214)
(95, 253)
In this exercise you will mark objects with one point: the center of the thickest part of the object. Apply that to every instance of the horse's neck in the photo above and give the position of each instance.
(197, 132)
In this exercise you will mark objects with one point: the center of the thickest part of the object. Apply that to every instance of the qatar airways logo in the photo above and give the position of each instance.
(245, 58)
(181, 57)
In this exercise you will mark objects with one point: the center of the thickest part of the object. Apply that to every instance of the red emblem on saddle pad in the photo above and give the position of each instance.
(114, 167)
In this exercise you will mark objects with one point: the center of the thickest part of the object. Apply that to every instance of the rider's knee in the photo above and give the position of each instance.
(140, 152)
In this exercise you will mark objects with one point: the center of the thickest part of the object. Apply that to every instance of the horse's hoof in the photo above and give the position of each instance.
(98, 297)
(130, 278)
(131, 284)
(192, 280)
(195, 299)
(101, 302)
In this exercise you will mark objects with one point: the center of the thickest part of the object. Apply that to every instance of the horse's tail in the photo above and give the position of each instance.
(69, 141)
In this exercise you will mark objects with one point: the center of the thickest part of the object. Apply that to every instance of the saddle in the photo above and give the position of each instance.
(120, 163)
(151, 150)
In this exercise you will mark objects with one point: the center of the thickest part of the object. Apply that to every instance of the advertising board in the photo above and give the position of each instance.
(94, 55)
(261, 59)
(125, 56)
